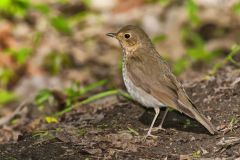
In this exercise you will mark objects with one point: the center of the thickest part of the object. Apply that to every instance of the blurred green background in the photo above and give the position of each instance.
(60, 45)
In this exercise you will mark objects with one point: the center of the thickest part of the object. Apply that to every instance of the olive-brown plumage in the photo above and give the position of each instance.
(149, 79)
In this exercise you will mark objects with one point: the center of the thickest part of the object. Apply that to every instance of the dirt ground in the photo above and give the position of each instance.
(113, 128)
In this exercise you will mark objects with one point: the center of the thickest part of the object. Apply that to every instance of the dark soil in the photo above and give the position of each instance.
(116, 131)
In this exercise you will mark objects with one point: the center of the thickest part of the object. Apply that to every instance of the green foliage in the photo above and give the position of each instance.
(75, 91)
(6, 96)
(42, 97)
(196, 154)
(89, 100)
(133, 131)
(17, 8)
(195, 51)
(86, 2)
(20, 55)
(63, 1)
(92, 86)
(233, 123)
(5, 76)
(159, 38)
(72, 93)
(98, 96)
(236, 8)
(180, 65)
(94, 98)
(164, 2)
(61, 24)
(161, 2)
(43, 8)
(36, 39)
(234, 50)
(192, 11)
(55, 62)
(46, 135)
(78, 18)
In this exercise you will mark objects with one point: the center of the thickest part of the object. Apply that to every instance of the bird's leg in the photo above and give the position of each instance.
(164, 116)
(160, 126)
(157, 111)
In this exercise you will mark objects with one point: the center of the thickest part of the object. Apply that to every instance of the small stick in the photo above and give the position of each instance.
(5, 120)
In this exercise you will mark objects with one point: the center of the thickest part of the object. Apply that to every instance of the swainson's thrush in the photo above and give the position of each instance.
(149, 79)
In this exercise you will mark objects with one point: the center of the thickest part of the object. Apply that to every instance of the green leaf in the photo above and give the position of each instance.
(236, 8)
(133, 131)
(6, 74)
(235, 49)
(87, 2)
(56, 61)
(4, 4)
(78, 18)
(159, 38)
(192, 10)
(61, 24)
(161, 2)
(43, 8)
(98, 96)
(196, 53)
(92, 86)
(16, 8)
(6, 96)
(94, 98)
(180, 65)
(75, 91)
(42, 97)
(21, 55)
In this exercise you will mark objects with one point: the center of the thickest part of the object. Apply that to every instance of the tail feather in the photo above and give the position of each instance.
(204, 121)
(193, 112)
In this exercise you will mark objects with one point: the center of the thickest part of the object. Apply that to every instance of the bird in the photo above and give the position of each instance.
(149, 79)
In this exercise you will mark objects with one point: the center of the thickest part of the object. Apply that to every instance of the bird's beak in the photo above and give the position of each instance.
(113, 35)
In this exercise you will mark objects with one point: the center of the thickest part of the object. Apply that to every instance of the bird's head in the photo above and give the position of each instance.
(131, 38)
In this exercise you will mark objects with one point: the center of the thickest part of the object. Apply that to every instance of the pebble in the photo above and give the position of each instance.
(192, 139)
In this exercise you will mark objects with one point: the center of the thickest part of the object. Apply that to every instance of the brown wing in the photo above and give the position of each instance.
(158, 81)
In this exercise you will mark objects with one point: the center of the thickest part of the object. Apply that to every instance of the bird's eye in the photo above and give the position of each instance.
(127, 36)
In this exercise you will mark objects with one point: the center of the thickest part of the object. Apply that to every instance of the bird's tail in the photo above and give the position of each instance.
(204, 121)
(195, 114)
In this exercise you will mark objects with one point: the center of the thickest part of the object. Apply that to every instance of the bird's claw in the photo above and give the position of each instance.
(150, 135)
(158, 128)
(155, 129)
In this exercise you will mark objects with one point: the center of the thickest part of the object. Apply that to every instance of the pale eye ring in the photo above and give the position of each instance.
(127, 35)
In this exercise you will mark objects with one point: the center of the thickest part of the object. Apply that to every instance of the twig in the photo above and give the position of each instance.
(5, 120)
(226, 142)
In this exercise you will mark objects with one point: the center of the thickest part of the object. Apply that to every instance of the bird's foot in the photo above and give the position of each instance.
(158, 128)
(155, 129)
(150, 135)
